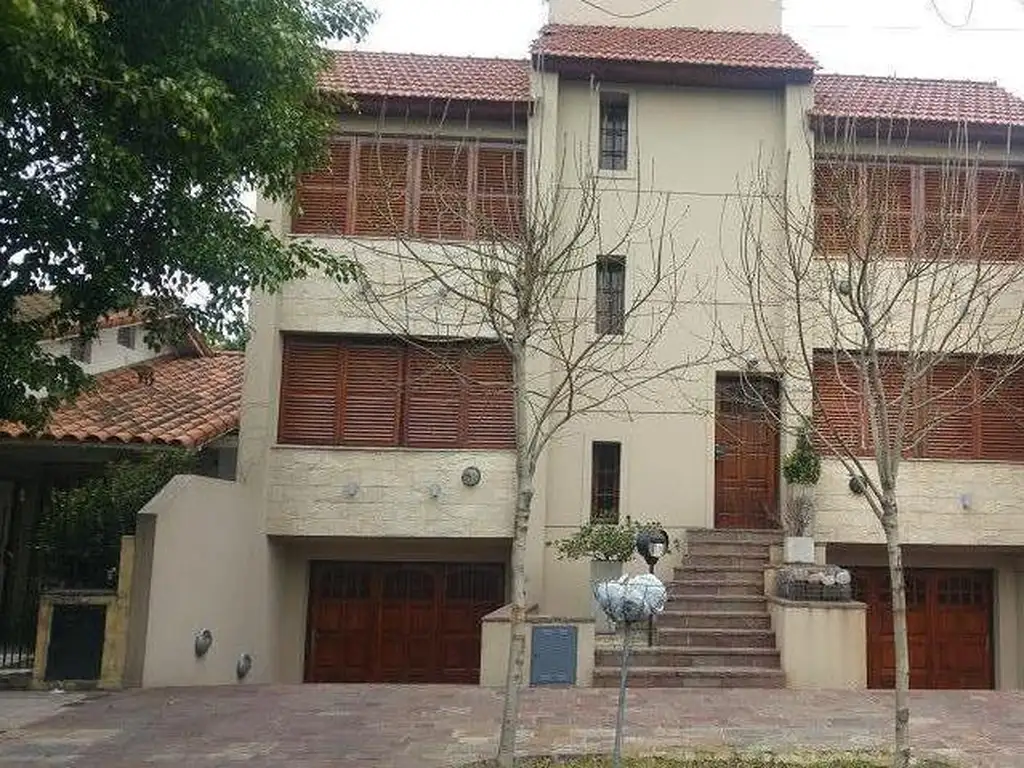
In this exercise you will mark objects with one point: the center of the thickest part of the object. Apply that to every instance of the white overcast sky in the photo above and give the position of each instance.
(969, 39)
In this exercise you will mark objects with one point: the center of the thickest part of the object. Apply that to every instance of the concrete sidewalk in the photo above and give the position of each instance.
(19, 709)
(431, 727)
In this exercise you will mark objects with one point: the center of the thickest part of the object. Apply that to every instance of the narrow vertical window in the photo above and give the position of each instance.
(614, 131)
(81, 350)
(126, 336)
(611, 295)
(604, 483)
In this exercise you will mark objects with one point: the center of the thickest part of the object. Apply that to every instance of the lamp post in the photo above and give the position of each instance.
(651, 545)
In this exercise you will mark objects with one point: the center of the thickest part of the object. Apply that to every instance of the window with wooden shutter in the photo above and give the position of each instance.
(999, 214)
(947, 212)
(1001, 429)
(322, 197)
(370, 413)
(835, 194)
(310, 382)
(443, 211)
(381, 188)
(950, 413)
(345, 391)
(490, 408)
(889, 212)
(839, 412)
(434, 392)
(499, 191)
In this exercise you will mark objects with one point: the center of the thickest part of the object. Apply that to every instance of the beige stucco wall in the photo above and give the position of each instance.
(749, 15)
(308, 493)
(497, 636)
(975, 503)
(209, 570)
(822, 645)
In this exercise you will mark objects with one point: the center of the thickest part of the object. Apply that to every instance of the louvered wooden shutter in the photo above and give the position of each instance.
(382, 188)
(490, 417)
(434, 394)
(835, 201)
(499, 191)
(1002, 416)
(888, 215)
(950, 415)
(999, 213)
(839, 405)
(372, 376)
(322, 196)
(947, 207)
(443, 192)
(309, 392)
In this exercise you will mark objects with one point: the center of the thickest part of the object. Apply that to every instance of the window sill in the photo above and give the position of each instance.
(626, 175)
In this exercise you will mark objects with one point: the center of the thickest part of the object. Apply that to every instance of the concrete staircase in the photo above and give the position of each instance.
(716, 630)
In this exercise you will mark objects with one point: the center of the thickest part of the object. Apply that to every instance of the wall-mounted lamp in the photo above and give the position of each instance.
(471, 477)
(966, 501)
(858, 485)
(351, 490)
(203, 641)
(244, 666)
(843, 287)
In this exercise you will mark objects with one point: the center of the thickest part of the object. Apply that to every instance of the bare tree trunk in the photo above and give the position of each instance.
(517, 620)
(890, 522)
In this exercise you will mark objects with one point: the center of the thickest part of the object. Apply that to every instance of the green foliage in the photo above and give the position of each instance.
(614, 542)
(79, 541)
(803, 464)
(129, 131)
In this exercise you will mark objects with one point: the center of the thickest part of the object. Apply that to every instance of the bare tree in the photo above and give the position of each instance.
(535, 260)
(886, 299)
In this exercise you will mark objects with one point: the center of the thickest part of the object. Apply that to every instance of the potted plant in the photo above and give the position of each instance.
(802, 470)
(607, 544)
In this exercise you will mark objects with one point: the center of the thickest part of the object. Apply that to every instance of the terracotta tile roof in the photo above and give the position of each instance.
(33, 307)
(675, 45)
(407, 75)
(944, 101)
(190, 401)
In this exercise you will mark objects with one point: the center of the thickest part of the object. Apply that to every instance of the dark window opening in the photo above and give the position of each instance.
(611, 295)
(81, 350)
(614, 131)
(126, 336)
(605, 467)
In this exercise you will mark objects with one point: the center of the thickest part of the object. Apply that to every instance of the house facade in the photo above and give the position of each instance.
(375, 490)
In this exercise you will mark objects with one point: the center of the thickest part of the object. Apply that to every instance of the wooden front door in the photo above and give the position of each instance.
(399, 622)
(746, 453)
(949, 627)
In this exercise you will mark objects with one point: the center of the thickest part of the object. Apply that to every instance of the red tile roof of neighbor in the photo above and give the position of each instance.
(675, 45)
(408, 75)
(189, 402)
(943, 101)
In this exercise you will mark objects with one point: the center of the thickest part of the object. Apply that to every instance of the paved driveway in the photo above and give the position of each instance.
(429, 727)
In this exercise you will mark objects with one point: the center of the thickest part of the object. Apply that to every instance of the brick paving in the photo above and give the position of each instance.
(431, 727)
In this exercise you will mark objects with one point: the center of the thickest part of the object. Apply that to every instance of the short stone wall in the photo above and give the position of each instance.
(497, 633)
(823, 645)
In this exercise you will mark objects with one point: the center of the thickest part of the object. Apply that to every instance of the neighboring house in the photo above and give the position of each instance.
(363, 554)
(142, 399)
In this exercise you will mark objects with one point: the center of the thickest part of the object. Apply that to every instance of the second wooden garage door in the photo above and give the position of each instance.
(399, 622)
(949, 623)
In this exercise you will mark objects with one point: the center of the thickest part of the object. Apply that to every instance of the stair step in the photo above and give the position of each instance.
(681, 657)
(731, 562)
(693, 637)
(692, 677)
(716, 571)
(690, 603)
(712, 619)
(694, 588)
(730, 548)
(734, 535)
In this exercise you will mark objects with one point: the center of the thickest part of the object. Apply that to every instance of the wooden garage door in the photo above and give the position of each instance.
(399, 622)
(949, 624)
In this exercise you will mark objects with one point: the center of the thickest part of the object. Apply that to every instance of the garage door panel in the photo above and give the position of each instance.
(399, 622)
(949, 622)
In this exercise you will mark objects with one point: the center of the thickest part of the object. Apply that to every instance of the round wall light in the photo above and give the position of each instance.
(202, 643)
(471, 476)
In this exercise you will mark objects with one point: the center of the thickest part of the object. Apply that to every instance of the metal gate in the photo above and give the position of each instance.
(19, 588)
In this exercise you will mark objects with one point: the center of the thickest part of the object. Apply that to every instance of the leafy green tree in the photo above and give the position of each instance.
(79, 541)
(129, 131)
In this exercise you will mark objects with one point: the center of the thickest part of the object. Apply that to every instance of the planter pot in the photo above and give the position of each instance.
(602, 570)
(799, 549)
